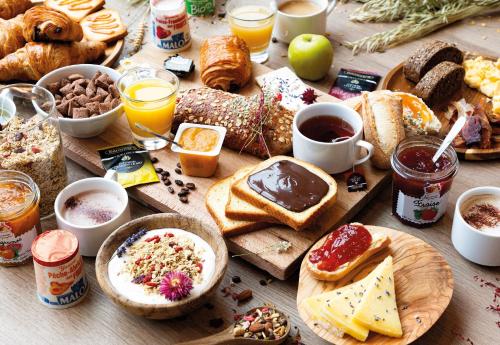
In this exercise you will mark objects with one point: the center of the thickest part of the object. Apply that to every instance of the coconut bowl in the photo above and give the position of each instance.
(161, 221)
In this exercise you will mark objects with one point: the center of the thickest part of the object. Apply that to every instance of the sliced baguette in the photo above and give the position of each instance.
(296, 220)
(383, 124)
(240, 209)
(216, 200)
(379, 242)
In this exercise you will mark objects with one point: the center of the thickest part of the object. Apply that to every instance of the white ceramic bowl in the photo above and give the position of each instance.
(92, 126)
(481, 247)
(90, 238)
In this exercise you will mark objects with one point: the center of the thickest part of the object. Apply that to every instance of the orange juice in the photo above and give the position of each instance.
(253, 24)
(150, 102)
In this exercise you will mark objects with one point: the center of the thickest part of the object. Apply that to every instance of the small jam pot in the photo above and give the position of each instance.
(19, 217)
(420, 188)
(60, 278)
(201, 146)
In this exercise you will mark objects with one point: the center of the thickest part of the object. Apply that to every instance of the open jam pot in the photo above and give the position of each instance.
(420, 188)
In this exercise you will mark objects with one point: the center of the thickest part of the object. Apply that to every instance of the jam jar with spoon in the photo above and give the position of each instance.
(420, 187)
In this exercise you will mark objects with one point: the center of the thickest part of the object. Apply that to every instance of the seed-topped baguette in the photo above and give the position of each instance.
(440, 83)
(428, 56)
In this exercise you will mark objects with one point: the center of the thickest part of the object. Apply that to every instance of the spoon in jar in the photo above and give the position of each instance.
(147, 130)
(228, 337)
(457, 127)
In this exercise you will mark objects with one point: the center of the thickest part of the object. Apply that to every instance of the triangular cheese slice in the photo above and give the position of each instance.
(377, 309)
(337, 307)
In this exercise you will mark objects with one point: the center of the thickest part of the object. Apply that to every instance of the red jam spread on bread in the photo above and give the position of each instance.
(289, 185)
(341, 246)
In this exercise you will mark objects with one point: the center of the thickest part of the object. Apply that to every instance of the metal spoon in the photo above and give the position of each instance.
(226, 337)
(146, 129)
(457, 127)
(340, 139)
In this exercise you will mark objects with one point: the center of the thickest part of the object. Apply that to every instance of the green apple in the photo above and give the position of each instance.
(310, 56)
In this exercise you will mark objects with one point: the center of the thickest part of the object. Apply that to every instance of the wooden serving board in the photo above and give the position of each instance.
(281, 266)
(112, 53)
(424, 287)
(396, 81)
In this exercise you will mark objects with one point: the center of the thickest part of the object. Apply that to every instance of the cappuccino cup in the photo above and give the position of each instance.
(296, 17)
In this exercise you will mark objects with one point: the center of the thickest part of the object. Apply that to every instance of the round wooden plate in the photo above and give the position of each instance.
(112, 53)
(424, 286)
(396, 81)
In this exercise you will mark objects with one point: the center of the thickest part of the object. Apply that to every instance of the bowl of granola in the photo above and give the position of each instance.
(162, 266)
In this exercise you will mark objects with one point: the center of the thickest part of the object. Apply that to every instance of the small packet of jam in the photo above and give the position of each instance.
(178, 65)
(132, 164)
(350, 83)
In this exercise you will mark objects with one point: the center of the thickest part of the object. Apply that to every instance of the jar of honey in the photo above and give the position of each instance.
(19, 217)
(420, 187)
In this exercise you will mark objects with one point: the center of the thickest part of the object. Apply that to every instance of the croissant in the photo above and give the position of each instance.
(37, 59)
(43, 23)
(258, 125)
(225, 63)
(11, 8)
(11, 35)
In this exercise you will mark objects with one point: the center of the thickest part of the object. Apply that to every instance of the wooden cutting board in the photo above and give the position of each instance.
(281, 266)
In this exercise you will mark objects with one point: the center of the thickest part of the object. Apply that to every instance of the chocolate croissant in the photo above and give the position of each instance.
(11, 35)
(37, 59)
(11, 8)
(43, 24)
(225, 63)
(258, 125)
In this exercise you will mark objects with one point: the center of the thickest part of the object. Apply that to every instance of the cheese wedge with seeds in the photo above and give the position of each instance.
(377, 309)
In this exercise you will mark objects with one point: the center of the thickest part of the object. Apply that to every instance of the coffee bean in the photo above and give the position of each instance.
(183, 199)
(263, 282)
(167, 182)
(171, 190)
(191, 185)
(159, 170)
(181, 193)
(165, 173)
(164, 178)
(274, 40)
(236, 279)
(179, 183)
(18, 136)
(178, 171)
(178, 165)
(154, 160)
(184, 189)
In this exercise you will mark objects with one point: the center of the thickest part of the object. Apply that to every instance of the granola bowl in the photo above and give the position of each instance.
(90, 126)
(162, 266)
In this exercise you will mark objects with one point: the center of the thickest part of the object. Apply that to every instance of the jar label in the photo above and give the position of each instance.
(15, 248)
(426, 209)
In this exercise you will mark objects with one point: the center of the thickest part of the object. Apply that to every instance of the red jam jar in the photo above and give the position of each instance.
(420, 188)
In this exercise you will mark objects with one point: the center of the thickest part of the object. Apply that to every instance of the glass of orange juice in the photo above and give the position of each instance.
(149, 97)
(253, 22)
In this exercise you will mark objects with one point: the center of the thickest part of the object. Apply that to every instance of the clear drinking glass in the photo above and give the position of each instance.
(253, 22)
(30, 140)
(149, 97)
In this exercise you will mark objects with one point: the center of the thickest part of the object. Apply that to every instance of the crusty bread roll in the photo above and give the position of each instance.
(383, 124)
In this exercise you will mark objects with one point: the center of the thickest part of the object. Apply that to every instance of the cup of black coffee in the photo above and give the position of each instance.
(329, 135)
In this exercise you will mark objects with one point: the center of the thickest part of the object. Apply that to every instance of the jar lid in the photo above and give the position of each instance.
(54, 247)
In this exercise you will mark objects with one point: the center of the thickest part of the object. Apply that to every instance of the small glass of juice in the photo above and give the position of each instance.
(253, 22)
(149, 97)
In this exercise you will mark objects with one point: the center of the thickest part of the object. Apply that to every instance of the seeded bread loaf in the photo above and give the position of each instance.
(440, 83)
(428, 56)
(258, 125)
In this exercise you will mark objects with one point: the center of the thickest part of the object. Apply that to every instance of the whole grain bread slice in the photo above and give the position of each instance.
(296, 220)
(440, 83)
(240, 209)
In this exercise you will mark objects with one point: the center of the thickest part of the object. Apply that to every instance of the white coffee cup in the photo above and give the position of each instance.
(289, 26)
(335, 157)
(479, 246)
(91, 237)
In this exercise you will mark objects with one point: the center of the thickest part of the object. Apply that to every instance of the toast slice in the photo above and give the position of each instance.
(379, 242)
(240, 209)
(216, 200)
(105, 26)
(296, 220)
(76, 10)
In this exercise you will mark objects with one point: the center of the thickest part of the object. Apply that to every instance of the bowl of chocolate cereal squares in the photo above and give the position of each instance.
(87, 100)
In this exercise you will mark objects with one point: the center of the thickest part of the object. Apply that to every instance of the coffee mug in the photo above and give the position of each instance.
(289, 26)
(335, 157)
(91, 237)
(479, 246)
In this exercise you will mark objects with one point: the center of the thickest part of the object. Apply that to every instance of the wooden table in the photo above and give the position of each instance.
(23, 320)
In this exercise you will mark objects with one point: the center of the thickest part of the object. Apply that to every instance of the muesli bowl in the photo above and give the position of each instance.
(154, 240)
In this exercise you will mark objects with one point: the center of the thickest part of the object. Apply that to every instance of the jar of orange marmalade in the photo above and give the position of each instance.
(19, 217)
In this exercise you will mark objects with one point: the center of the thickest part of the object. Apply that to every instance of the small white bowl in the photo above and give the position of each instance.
(480, 247)
(92, 126)
(91, 237)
